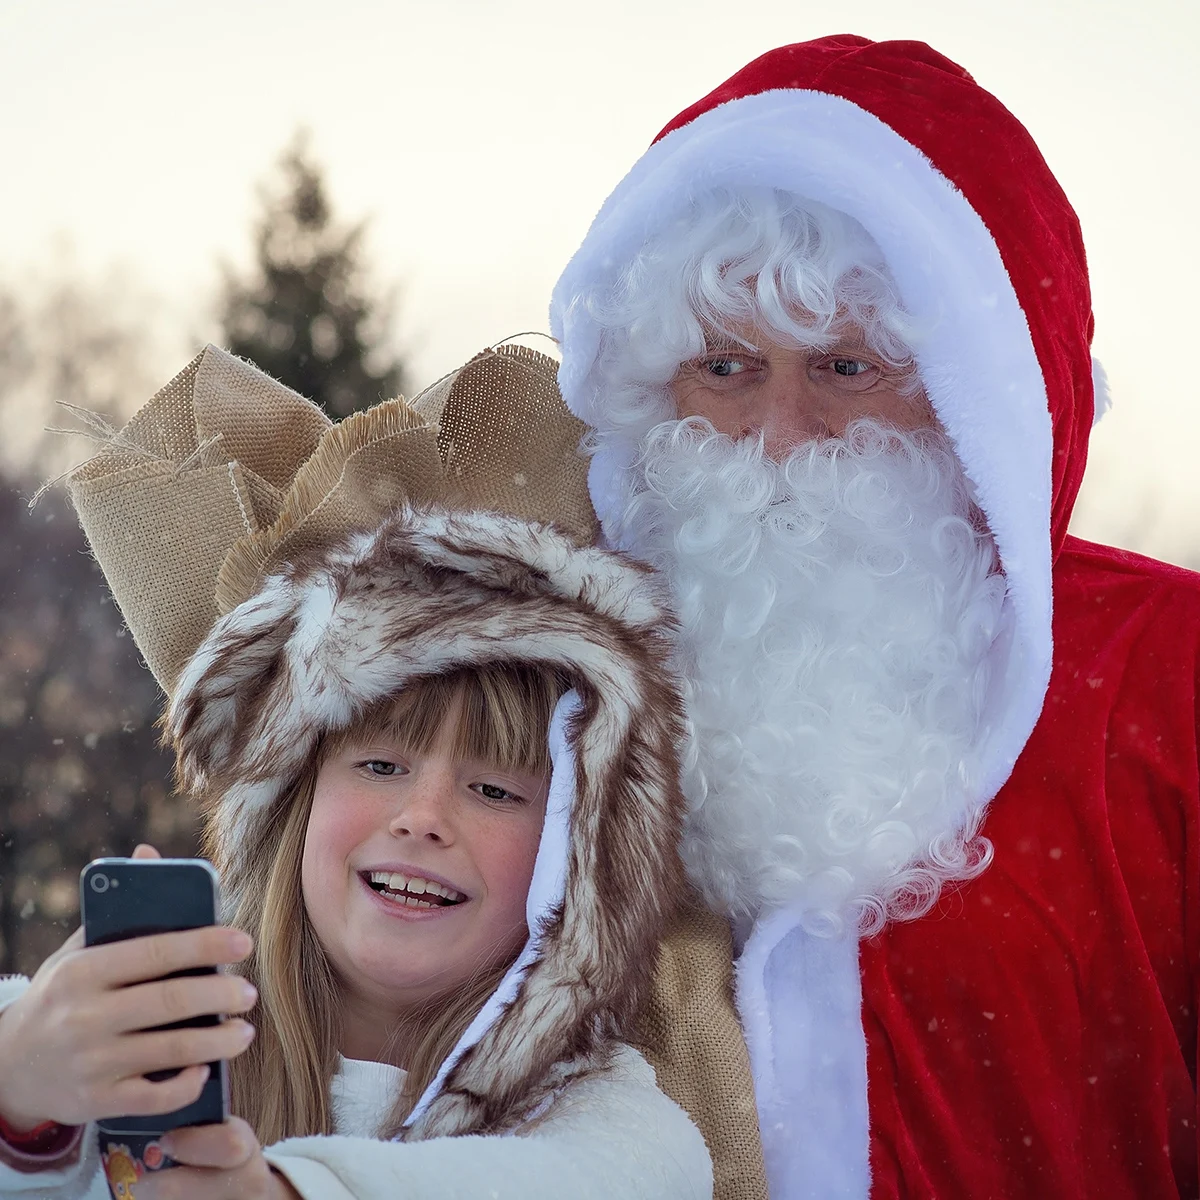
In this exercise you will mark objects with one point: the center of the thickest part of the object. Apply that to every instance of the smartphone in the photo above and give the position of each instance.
(125, 898)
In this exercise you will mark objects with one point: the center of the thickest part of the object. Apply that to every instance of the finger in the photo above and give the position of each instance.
(137, 960)
(226, 1147)
(140, 1097)
(135, 1054)
(143, 850)
(75, 942)
(166, 1001)
(196, 1183)
(180, 1183)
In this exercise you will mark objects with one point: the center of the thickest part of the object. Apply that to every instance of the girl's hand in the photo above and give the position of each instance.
(219, 1162)
(76, 1045)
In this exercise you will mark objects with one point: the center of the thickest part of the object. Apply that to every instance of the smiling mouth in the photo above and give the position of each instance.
(411, 890)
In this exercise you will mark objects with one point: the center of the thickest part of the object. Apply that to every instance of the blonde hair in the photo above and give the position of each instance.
(281, 1083)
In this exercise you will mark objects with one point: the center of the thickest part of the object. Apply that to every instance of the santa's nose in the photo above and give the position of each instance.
(788, 409)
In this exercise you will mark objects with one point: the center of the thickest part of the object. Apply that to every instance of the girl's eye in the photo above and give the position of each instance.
(380, 767)
(494, 792)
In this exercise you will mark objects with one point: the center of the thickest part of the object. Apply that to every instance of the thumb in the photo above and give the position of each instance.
(73, 943)
(142, 850)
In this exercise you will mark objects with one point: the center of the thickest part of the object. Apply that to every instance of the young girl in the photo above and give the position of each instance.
(437, 764)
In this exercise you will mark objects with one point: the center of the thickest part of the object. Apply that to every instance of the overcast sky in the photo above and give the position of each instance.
(482, 135)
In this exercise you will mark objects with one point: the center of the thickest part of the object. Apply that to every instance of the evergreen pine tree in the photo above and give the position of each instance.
(304, 315)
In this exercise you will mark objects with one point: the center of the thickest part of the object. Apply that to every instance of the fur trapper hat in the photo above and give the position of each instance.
(379, 563)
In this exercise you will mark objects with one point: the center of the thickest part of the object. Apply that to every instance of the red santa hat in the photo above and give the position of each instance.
(986, 253)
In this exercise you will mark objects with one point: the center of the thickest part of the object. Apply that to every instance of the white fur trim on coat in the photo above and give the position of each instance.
(1101, 390)
(610, 1136)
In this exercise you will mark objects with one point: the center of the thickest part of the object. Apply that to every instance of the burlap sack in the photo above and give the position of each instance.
(202, 465)
(691, 1034)
(487, 448)
(225, 474)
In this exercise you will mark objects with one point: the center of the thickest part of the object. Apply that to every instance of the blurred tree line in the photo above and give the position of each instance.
(81, 772)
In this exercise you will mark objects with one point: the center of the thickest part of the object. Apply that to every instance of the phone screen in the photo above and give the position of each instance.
(124, 898)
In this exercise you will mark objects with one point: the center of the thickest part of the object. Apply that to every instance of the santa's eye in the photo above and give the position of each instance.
(722, 368)
(850, 366)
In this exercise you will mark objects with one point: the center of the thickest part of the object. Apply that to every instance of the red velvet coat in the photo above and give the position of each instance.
(1036, 1036)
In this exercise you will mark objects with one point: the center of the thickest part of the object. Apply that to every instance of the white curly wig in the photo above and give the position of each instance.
(799, 270)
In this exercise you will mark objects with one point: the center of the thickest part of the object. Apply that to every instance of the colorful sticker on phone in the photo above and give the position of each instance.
(123, 1168)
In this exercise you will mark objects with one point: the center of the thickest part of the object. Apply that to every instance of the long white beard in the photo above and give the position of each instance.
(836, 610)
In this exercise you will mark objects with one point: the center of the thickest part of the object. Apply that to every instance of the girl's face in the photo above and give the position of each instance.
(417, 866)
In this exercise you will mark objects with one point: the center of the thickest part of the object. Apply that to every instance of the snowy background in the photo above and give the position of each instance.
(480, 136)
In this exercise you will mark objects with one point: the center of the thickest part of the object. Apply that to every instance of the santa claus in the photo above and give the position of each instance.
(832, 334)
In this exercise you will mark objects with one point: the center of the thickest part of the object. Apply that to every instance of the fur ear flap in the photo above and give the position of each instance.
(221, 700)
(596, 952)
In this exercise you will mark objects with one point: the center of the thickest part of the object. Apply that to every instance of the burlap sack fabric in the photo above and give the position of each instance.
(226, 474)
(691, 1034)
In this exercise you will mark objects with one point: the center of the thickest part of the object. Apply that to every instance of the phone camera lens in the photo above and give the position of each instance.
(100, 883)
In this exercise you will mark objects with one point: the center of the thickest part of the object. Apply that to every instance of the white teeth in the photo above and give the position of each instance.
(415, 886)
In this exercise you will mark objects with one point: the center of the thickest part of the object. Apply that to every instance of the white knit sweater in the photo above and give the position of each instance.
(611, 1135)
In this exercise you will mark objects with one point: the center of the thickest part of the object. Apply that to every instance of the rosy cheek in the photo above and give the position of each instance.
(313, 867)
(511, 868)
(513, 875)
(333, 831)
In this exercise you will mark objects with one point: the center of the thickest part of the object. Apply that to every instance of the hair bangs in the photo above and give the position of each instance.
(501, 713)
